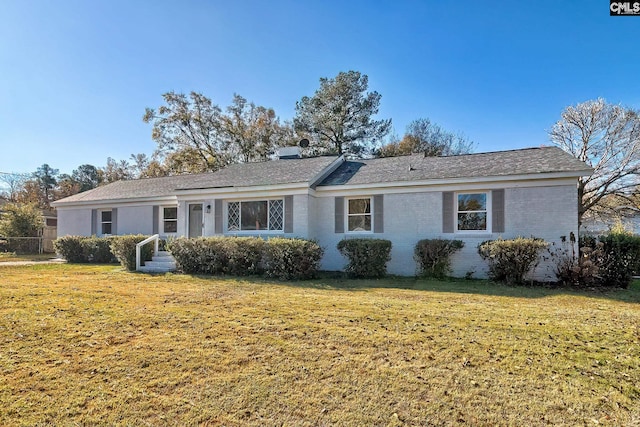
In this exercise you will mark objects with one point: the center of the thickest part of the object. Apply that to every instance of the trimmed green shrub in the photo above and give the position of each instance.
(124, 249)
(511, 260)
(240, 256)
(246, 256)
(292, 259)
(81, 249)
(620, 258)
(281, 258)
(434, 256)
(98, 250)
(367, 257)
(71, 248)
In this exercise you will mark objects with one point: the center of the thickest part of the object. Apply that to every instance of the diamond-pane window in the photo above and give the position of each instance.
(276, 215)
(256, 215)
(234, 216)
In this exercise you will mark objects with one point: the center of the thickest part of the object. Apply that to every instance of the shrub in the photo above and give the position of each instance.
(367, 257)
(278, 257)
(246, 256)
(292, 259)
(80, 249)
(577, 263)
(71, 248)
(620, 258)
(511, 260)
(185, 252)
(206, 255)
(98, 250)
(124, 249)
(434, 256)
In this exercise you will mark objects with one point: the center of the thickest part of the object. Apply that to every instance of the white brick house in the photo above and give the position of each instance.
(476, 197)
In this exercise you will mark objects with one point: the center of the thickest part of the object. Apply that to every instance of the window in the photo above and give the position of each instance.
(170, 220)
(259, 215)
(472, 212)
(359, 215)
(105, 222)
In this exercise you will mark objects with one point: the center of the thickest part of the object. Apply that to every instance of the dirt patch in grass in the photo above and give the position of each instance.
(95, 345)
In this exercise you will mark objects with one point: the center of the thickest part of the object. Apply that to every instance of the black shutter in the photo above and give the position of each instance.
(447, 212)
(339, 215)
(94, 222)
(156, 220)
(497, 211)
(288, 214)
(217, 216)
(114, 221)
(378, 213)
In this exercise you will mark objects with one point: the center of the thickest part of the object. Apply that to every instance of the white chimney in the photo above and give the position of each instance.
(289, 152)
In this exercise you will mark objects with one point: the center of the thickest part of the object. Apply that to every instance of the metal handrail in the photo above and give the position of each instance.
(156, 238)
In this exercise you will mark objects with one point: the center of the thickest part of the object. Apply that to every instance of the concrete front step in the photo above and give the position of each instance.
(145, 269)
(161, 263)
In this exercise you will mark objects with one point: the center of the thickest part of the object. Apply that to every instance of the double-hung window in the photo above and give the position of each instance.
(106, 222)
(471, 211)
(359, 214)
(256, 215)
(170, 220)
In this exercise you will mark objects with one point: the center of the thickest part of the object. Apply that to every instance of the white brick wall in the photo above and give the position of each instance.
(135, 219)
(74, 222)
(545, 212)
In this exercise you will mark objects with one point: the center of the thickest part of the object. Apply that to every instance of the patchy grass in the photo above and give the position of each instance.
(11, 256)
(93, 345)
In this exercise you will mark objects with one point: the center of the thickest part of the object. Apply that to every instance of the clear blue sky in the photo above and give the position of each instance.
(76, 76)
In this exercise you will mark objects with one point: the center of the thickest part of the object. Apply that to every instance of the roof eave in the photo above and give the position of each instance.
(463, 180)
(119, 201)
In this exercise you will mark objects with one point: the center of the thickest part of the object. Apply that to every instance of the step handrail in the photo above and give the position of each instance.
(155, 238)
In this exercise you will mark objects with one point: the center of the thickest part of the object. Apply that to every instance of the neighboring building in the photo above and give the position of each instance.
(475, 197)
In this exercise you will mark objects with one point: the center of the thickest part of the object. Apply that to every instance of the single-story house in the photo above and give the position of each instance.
(474, 197)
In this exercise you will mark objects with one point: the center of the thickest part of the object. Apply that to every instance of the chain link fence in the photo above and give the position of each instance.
(26, 245)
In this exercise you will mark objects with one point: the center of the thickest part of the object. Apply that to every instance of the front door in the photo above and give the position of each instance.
(195, 220)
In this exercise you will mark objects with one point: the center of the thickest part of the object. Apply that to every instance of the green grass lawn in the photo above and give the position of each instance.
(10, 256)
(93, 345)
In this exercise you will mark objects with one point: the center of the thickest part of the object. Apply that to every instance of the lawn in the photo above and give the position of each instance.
(11, 256)
(93, 345)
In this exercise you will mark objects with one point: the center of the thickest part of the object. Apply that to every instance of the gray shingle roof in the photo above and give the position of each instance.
(273, 172)
(392, 169)
(419, 168)
(239, 175)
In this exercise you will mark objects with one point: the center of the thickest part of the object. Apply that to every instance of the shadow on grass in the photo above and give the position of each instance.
(338, 281)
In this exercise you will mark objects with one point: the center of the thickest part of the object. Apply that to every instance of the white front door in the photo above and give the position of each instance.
(195, 220)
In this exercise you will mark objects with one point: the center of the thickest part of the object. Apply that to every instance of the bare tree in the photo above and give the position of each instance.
(12, 183)
(607, 138)
(423, 136)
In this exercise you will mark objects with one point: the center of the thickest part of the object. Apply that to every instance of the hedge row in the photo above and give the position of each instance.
(281, 258)
(102, 250)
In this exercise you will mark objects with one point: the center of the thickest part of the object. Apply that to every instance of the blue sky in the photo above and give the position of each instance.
(76, 76)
